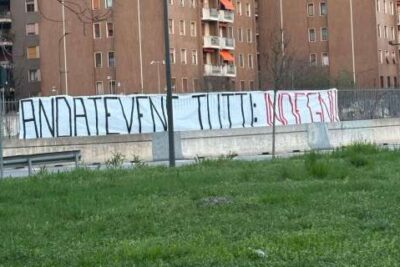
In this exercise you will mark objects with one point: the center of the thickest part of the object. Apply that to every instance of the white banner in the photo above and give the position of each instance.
(65, 116)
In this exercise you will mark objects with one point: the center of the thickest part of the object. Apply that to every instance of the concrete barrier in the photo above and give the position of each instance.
(218, 142)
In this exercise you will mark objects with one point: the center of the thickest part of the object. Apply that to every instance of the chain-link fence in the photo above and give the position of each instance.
(354, 104)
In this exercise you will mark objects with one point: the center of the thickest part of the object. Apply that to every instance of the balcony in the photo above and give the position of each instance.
(6, 38)
(212, 42)
(5, 16)
(5, 64)
(221, 71)
(226, 16)
(211, 14)
(211, 70)
(219, 42)
(229, 70)
(227, 43)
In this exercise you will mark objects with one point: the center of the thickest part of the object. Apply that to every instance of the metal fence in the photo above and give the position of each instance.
(368, 104)
(354, 104)
(10, 119)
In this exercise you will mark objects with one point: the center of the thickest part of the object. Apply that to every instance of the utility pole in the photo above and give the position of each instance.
(1, 131)
(170, 113)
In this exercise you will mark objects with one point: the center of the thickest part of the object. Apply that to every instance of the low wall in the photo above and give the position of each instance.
(218, 142)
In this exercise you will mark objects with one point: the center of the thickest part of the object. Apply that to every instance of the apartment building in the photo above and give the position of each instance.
(88, 47)
(343, 36)
(6, 44)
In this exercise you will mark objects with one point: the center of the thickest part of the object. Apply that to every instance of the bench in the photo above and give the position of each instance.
(46, 158)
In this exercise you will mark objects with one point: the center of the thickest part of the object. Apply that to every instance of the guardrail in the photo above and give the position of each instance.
(31, 160)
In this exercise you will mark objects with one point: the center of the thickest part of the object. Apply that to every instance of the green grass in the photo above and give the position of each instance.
(338, 209)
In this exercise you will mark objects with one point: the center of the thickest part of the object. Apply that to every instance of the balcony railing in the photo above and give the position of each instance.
(211, 70)
(5, 16)
(212, 14)
(227, 43)
(226, 16)
(225, 70)
(229, 70)
(212, 42)
(219, 42)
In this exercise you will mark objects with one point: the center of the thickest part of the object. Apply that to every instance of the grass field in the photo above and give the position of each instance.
(339, 209)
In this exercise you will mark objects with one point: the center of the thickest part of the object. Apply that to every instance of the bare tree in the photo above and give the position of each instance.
(279, 71)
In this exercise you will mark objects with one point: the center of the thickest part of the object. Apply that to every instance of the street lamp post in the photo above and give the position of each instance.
(171, 140)
(60, 68)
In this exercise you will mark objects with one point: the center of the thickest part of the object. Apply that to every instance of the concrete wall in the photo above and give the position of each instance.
(218, 142)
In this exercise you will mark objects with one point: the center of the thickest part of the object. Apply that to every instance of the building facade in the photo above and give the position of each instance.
(348, 38)
(88, 47)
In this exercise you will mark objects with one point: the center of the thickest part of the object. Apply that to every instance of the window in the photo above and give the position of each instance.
(181, 3)
(171, 26)
(173, 83)
(242, 85)
(193, 3)
(183, 56)
(111, 59)
(172, 55)
(384, 6)
(325, 59)
(98, 59)
(184, 85)
(248, 10)
(251, 62)
(324, 34)
(239, 8)
(196, 85)
(387, 56)
(30, 6)
(108, 3)
(251, 84)
(241, 61)
(240, 34)
(311, 35)
(379, 31)
(34, 75)
(32, 52)
(391, 8)
(310, 9)
(395, 82)
(182, 30)
(32, 29)
(110, 29)
(382, 82)
(194, 57)
(170, 2)
(389, 82)
(95, 4)
(96, 31)
(112, 86)
(193, 31)
(99, 88)
(385, 32)
(313, 59)
(323, 9)
(378, 5)
(249, 36)
(380, 55)
(392, 37)
(393, 57)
